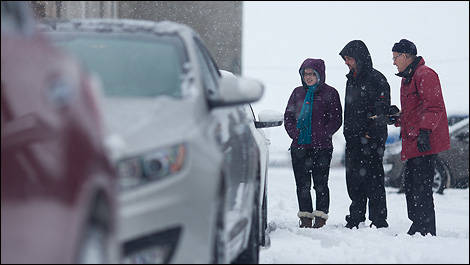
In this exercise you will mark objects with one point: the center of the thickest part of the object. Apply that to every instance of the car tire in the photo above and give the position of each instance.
(219, 253)
(264, 220)
(251, 254)
(93, 247)
(442, 178)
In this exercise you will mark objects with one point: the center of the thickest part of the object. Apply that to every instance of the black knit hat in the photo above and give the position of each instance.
(405, 46)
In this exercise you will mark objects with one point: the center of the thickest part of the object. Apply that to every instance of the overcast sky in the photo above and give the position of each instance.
(279, 36)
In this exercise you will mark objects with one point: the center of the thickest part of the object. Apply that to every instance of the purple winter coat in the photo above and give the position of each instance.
(326, 112)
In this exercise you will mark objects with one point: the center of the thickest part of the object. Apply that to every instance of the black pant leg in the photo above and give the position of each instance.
(375, 181)
(354, 181)
(419, 176)
(411, 202)
(320, 173)
(302, 164)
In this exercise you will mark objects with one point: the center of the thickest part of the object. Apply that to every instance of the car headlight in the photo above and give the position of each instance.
(152, 166)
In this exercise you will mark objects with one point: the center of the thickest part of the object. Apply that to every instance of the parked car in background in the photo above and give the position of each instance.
(393, 136)
(183, 145)
(266, 119)
(451, 165)
(394, 133)
(58, 186)
(454, 118)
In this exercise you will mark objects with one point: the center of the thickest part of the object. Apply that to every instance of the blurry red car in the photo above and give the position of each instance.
(57, 185)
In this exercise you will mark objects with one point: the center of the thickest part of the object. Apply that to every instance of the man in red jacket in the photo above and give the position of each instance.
(424, 131)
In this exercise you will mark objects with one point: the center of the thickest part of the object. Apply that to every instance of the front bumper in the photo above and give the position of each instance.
(181, 207)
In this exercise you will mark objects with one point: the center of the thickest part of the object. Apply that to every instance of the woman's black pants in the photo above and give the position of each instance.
(311, 163)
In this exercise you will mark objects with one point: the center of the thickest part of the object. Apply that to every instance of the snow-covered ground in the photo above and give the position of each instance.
(277, 37)
(335, 244)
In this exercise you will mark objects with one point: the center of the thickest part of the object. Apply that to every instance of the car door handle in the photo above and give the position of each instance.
(268, 142)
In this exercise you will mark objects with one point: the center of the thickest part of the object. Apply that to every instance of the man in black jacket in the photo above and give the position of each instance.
(366, 110)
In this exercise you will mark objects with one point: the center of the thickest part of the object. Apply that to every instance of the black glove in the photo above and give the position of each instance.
(423, 140)
(393, 114)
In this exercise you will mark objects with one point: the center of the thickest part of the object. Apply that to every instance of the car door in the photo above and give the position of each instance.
(237, 145)
(261, 142)
(457, 156)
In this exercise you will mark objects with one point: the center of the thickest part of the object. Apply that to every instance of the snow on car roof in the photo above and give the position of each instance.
(114, 25)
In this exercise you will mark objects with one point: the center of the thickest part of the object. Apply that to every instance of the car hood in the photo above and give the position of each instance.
(136, 125)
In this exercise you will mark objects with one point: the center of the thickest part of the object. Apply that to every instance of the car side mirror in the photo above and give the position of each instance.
(269, 118)
(237, 90)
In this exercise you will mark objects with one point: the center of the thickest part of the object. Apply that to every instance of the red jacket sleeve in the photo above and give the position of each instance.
(429, 89)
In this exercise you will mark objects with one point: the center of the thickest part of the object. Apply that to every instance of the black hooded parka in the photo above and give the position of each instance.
(367, 94)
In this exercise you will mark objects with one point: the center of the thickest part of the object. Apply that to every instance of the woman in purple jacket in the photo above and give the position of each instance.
(313, 114)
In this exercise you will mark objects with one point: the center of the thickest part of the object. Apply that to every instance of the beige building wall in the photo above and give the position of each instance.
(219, 23)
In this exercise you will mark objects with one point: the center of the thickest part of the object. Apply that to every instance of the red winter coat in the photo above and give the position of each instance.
(422, 107)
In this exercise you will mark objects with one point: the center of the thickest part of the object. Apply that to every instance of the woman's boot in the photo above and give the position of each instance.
(320, 219)
(305, 219)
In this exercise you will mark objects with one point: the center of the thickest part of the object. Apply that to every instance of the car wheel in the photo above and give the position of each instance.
(441, 181)
(218, 256)
(264, 220)
(251, 254)
(441, 178)
(93, 248)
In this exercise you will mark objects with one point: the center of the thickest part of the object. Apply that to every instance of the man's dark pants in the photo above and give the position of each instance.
(365, 180)
(419, 176)
(311, 163)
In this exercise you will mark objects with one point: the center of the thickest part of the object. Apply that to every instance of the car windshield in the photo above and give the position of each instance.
(129, 65)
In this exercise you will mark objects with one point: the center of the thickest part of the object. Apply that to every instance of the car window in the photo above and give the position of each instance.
(210, 74)
(214, 70)
(453, 119)
(129, 65)
(463, 134)
(250, 112)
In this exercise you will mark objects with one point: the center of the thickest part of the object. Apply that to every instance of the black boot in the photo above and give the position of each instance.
(379, 224)
(419, 228)
(351, 222)
(350, 225)
(413, 229)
